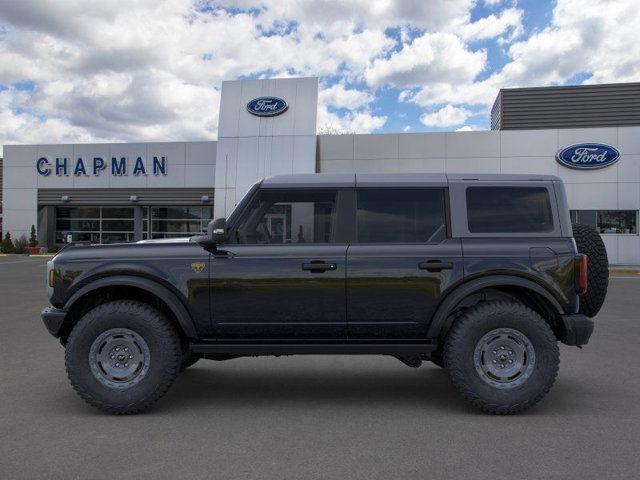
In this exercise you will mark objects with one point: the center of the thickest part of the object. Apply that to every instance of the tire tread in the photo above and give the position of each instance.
(456, 338)
(171, 347)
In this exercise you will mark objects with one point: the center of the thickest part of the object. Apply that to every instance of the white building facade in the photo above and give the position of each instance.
(125, 192)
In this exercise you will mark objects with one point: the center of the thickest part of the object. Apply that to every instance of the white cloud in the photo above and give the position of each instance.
(152, 70)
(433, 57)
(468, 128)
(583, 37)
(340, 97)
(509, 20)
(352, 122)
(447, 116)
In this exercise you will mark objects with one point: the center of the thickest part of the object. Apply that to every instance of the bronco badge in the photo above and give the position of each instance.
(197, 267)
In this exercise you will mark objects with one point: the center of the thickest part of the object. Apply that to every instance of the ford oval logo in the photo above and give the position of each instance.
(588, 156)
(267, 106)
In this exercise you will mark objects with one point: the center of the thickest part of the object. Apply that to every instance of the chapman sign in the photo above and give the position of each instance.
(588, 156)
(116, 166)
(267, 106)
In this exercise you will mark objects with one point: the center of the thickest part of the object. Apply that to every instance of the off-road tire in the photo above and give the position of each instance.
(590, 243)
(188, 359)
(437, 358)
(468, 331)
(164, 356)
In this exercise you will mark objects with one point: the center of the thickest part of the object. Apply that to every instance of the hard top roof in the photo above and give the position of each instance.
(320, 180)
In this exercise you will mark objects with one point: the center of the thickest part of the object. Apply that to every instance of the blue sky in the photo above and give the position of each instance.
(77, 71)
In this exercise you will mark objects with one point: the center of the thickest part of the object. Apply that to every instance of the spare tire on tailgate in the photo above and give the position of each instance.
(590, 243)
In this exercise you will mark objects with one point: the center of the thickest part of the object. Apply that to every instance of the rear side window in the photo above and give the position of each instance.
(389, 215)
(509, 210)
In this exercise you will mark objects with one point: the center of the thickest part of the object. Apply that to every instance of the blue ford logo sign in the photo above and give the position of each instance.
(588, 156)
(267, 106)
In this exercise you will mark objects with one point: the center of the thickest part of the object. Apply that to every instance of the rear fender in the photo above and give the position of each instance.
(440, 323)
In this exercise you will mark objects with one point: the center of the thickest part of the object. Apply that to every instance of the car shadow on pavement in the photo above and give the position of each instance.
(197, 387)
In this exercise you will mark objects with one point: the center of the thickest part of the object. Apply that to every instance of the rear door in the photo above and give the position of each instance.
(401, 261)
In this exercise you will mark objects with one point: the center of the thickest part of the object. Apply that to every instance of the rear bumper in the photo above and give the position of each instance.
(575, 329)
(53, 319)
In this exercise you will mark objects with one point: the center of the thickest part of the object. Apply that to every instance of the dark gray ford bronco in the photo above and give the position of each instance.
(481, 275)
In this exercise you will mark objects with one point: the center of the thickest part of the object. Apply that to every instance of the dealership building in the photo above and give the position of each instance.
(587, 135)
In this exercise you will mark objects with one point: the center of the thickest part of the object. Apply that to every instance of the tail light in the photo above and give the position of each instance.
(581, 274)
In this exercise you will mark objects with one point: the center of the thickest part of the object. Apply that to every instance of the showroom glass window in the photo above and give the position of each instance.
(94, 224)
(616, 222)
(174, 222)
(289, 216)
(389, 215)
(509, 210)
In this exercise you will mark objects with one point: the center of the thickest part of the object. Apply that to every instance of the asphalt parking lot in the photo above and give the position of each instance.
(316, 417)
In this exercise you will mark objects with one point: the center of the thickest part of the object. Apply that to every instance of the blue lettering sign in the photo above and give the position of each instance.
(588, 156)
(139, 167)
(61, 166)
(42, 165)
(98, 165)
(267, 106)
(159, 166)
(118, 167)
(79, 170)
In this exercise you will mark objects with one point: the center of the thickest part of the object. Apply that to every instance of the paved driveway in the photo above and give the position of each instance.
(316, 417)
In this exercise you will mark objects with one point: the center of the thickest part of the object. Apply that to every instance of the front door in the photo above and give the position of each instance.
(401, 262)
(282, 275)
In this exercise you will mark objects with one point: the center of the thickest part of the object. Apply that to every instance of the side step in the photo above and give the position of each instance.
(255, 349)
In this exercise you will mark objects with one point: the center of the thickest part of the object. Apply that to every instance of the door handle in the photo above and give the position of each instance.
(319, 267)
(435, 266)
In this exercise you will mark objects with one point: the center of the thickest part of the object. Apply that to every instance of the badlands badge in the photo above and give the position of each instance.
(198, 267)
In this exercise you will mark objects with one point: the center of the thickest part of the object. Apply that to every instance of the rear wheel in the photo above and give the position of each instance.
(590, 243)
(122, 356)
(502, 357)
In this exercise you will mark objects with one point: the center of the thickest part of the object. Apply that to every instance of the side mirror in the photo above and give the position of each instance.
(217, 230)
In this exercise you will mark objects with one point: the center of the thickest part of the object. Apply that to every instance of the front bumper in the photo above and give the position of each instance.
(575, 329)
(53, 319)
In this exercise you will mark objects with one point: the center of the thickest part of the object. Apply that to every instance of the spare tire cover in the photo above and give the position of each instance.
(590, 243)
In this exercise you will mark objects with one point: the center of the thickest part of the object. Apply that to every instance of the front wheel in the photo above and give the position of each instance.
(122, 356)
(502, 357)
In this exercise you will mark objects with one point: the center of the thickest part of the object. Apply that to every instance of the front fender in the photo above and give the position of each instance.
(167, 296)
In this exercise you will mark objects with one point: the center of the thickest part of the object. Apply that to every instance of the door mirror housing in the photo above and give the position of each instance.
(217, 231)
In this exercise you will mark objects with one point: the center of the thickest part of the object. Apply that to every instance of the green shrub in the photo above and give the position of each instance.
(7, 245)
(33, 238)
(53, 249)
(21, 244)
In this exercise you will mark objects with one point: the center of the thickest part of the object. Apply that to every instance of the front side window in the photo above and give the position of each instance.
(289, 216)
(388, 215)
(509, 210)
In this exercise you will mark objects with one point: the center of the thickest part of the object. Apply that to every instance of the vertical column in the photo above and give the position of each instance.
(138, 217)
(251, 147)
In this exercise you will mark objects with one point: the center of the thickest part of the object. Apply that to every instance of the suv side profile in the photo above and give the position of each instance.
(481, 275)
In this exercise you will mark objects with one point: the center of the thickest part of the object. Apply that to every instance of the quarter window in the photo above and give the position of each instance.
(289, 216)
(509, 210)
(401, 215)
